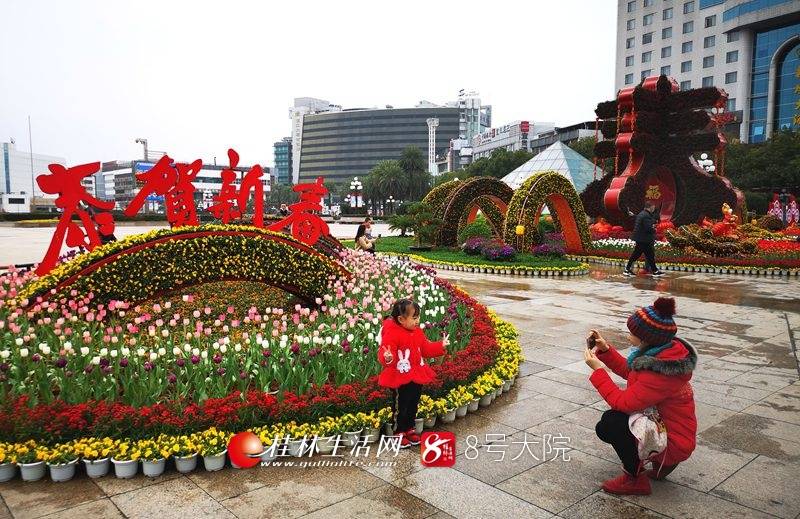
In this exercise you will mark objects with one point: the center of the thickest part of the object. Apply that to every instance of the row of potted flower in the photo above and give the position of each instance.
(515, 270)
(99, 454)
(753, 270)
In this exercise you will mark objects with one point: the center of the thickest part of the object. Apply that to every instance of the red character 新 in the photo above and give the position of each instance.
(230, 204)
(66, 183)
(307, 226)
(175, 185)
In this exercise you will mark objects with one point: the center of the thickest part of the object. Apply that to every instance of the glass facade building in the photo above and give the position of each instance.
(283, 161)
(341, 145)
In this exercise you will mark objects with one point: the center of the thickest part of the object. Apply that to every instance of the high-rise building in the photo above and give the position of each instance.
(16, 174)
(283, 160)
(750, 49)
(304, 106)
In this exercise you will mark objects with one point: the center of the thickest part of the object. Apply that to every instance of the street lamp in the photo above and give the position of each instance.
(143, 142)
(390, 204)
(706, 163)
(355, 191)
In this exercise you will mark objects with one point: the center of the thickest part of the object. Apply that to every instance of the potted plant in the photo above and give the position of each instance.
(329, 434)
(154, 454)
(62, 461)
(213, 446)
(8, 460)
(30, 460)
(184, 450)
(269, 441)
(425, 225)
(95, 454)
(352, 429)
(372, 427)
(125, 457)
(301, 437)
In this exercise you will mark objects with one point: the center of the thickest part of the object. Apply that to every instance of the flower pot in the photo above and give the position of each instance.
(270, 452)
(448, 416)
(153, 468)
(214, 462)
(498, 392)
(473, 405)
(32, 471)
(326, 444)
(486, 400)
(7, 471)
(461, 412)
(62, 471)
(125, 469)
(296, 447)
(507, 385)
(372, 434)
(186, 464)
(430, 422)
(350, 438)
(97, 468)
(419, 423)
(388, 429)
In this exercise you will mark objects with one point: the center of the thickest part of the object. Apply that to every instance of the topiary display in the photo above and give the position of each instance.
(770, 222)
(467, 198)
(701, 240)
(477, 229)
(437, 197)
(565, 206)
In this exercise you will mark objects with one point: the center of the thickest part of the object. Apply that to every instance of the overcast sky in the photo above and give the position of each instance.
(196, 78)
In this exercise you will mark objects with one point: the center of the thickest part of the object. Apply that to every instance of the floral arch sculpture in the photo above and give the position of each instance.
(472, 195)
(143, 266)
(565, 207)
(437, 197)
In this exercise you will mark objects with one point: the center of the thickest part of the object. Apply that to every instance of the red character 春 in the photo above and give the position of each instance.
(175, 185)
(307, 226)
(230, 204)
(66, 183)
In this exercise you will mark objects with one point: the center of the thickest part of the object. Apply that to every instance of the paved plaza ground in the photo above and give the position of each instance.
(747, 461)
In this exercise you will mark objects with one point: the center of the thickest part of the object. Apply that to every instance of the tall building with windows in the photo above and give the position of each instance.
(749, 48)
(283, 161)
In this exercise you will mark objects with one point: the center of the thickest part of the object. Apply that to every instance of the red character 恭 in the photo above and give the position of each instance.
(66, 183)
(231, 204)
(175, 185)
(306, 225)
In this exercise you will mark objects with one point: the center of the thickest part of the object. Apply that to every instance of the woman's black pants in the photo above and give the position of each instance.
(613, 428)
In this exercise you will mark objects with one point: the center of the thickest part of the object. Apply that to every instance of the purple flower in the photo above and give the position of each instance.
(35, 357)
(346, 348)
(295, 349)
(217, 358)
(123, 363)
(148, 366)
(106, 370)
(88, 369)
(104, 362)
(365, 350)
(266, 353)
(243, 375)
(180, 362)
(221, 371)
(171, 378)
(60, 362)
(263, 363)
(3, 366)
(313, 352)
(195, 359)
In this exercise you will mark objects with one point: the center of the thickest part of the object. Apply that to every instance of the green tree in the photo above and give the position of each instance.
(585, 146)
(415, 166)
(768, 165)
(401, 222)
(499, 164)
(425, 223)
(389, 179)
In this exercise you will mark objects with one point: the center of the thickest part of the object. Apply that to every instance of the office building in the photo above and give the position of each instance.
(749, 48)
(512, 137)
(283, 160)
(17, 177)
(567, 134)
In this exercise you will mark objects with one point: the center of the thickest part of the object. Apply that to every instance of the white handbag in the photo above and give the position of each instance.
(649, 431)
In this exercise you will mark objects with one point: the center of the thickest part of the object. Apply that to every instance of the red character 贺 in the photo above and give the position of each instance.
(174, 183)
(66, 183)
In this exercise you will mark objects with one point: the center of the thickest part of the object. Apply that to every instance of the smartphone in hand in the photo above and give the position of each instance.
(591, 341)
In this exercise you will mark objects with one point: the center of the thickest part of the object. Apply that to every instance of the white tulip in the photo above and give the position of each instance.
(5, 354)
(237, 348)
(23, 352)
(140, 352)
(68, 346)
(84, 350)
(195, 351)
(176, 351)
(153, 355)
(223, 348)
(162, 352)
(96, 360)
(126, 351)
(45, 349)
(187, 347)
(19, 341)
(113, 354)
(204, 354)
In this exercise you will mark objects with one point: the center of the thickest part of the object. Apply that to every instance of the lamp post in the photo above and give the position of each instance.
(706, 163)
(390, 204)
(355, 190)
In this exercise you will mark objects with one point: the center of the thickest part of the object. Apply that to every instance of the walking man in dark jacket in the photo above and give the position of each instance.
(644, 234)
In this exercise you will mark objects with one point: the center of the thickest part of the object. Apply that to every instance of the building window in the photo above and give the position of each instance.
(709, 41)
(628, 79)
(666, 70)
(667, 14)
(708, 81)
(687, 27)
(632, 6)
(647, 38)
(631, 24)
(686, 85)
(686, 66)
(686, 47)
(688, 7)
(666, 32)
(648, 3)
(666, 52)
(733, 36)
(711, 21)
(629, 43)
(708, 62)
(647, 19)
(730, 77)
(646, 73)
(730, 105)
(732, 56)
(628, 61)
(646, 56)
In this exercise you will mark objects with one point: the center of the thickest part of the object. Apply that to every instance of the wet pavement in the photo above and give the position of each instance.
(746, 386)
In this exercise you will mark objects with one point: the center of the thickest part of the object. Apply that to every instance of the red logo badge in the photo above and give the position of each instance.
(245, 450)
(438, 449)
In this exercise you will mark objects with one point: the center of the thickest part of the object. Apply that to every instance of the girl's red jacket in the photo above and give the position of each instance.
(408, 349)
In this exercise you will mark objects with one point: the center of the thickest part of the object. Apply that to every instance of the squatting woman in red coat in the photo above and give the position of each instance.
(402, 352)
(658, 371)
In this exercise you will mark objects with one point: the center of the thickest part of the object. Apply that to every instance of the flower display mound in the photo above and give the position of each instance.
(218, 358)
(143, 266)
(464, 202)
(437, 197)
(553, 189)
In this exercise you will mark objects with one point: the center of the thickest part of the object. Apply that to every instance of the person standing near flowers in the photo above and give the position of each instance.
(658, 396)
(644, 234)
(402, 352)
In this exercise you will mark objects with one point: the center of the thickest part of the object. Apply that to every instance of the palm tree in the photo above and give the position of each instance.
(414, 164)
(391, 179)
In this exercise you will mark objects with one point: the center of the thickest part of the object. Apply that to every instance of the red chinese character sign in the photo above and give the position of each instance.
(72, 196)
(230, 204)
(174, 183)
(307, 226)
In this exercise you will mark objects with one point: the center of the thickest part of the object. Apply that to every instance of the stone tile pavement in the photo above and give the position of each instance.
(747, 462)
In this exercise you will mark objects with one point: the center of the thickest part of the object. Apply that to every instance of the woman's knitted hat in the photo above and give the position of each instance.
(654, 324)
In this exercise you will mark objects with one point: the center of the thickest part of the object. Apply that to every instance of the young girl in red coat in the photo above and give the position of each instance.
(402, 351)
(658, 371)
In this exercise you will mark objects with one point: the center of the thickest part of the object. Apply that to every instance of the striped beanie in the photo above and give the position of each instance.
(654, 324)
